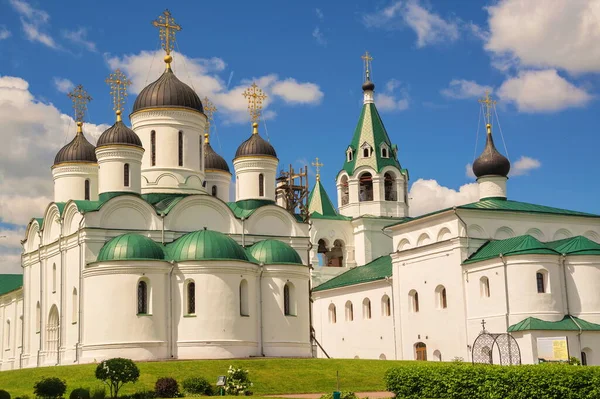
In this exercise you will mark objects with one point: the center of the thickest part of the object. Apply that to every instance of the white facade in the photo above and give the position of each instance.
(75, 181)
(255, 177)
(119, 160)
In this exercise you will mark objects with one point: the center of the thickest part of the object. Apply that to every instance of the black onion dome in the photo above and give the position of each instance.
(78, 150)
(168, 91)
(214, 161)
(368, 85)
(119, 134)
(491, 162)
(255, 145)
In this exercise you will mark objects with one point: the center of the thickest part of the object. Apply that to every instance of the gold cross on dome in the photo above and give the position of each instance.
(318, 166)
(367, 58)
(488, 103)
(118, 83)
(255, 97)
(167, 28)
(80, 99)
(209, 110)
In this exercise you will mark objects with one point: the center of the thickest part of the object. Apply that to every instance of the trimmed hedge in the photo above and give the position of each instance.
(466, 381)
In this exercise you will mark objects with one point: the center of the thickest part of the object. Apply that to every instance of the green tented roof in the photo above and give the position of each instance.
(206, 245)
(130, 247)
(578, 245)
(568, 323)
(370, 129)
(320, 206)
(520, 245)
(274, 252)
(10, 282)
(245, 208)
(378, 269)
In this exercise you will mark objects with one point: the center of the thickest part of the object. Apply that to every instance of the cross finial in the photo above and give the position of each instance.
(317, 166)
(209, 110)
(488, 103)
(367, 58)
(255, 97)
(118, 83)
(80, 100)
(167, 28)
(483, 324)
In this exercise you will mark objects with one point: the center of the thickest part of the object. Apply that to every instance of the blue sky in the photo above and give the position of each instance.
(432, 60)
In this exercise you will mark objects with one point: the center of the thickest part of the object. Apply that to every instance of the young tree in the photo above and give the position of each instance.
(116, 372)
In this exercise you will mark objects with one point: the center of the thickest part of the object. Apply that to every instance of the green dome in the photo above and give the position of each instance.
(130, 247)
(274, 252)
(206, 245)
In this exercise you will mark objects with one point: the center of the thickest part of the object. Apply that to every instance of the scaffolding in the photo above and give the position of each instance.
(292, 191)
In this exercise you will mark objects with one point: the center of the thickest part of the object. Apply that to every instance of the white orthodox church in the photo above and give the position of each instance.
(143, 254)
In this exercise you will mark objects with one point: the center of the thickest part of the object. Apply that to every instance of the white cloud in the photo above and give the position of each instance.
(4, 33)
(293, 92)
(79, 37)
(524, 165)
(319, 37)
(477, 31)
(469, 171)
(25, 9)
(320, 14)
(429, 26)
(32, 21)
(33, 34)
(462, 89)
(556, 34)
(542, 91)
(394, 98)
(63, 85)
(428, 196)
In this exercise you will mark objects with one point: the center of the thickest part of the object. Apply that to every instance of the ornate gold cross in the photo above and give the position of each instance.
(209, 110)
(318, 166)
(367, 58)
(488, 103)
(255, 97)
(80, 99)
(167, 28)
(118, 83)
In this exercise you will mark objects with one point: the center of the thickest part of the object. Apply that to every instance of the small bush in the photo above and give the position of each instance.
(166, 387)
(116, 372)
(343, 395)
(50, 388)
(143, 395)
(80, 393)
(98, 393)
(237, 382)
(197, 386)
(4, 394)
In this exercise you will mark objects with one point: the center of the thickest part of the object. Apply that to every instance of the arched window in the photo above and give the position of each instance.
(386, 306)
(541, 278)
(86, 189)
(345, 190)
(53, 277)
(153, 148)
(214, 191)
(440, 293)
(349, 155)
(366, 308)
(366, 152)
(420, 351)
(384, 152)
(437, 355)
(484, 287)
(332, 314)
(244, 307)
(261, 185)
(365, 192)
(38, 317)
(7, 335)
(349, 311)
(389, 182)
(191, 297)
(335, 257)
(583, 359)
(126, 175)
(20, 332)
(289, 305)
(180, 148)
(52, 330)
(414, 301)
(142, 297)
(74, 306)
(382, 357)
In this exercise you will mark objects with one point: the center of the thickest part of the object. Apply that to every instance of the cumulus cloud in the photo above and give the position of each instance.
(524, 165)
(542, 91)
(297, 93)
(548, 34)
(33, 21)
(63, 85)
(79, 37)
(428, 196)
(462, 89)
(394, 98)
(10, 250)
(429, 27)
(4, 33)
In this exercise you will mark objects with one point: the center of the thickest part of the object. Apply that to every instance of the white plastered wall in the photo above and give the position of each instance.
(69, 181)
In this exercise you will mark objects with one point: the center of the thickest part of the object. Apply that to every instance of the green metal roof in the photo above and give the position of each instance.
(568, 323)
(206, 245)
(245, 208)
(520, 245)
(578, 245)
(320, 206)
(274, 252)
(370, 129)
(378, 269)
(130, 247)
(10, 282)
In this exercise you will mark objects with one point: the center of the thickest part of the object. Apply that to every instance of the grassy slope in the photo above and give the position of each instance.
(270, 376)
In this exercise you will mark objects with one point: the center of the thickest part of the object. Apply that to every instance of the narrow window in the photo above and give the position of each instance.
(200, 150)
(126, 175)
(286, 300)
(366, 308)
(74, 306)
(180, 147)
(583, 359)
(142, 298)
(365, 152)
(261, 185)
(386, 305)
(86, 194)
(214, 191)
(191, 298)
(153, 148)
(541, 286)
(349, 311)
(38, 317)
(484, 287)
(20, 331)
(244, 308)
(384, 152)
(349, 154)
(444, 302)
(332, 314)
(53, 277)
(7, 334)
(414, 301)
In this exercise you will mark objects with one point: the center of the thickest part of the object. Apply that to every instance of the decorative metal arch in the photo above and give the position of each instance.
(488, 346)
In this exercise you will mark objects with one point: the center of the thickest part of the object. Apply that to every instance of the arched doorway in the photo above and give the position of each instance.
(365, 191)
(322, 252)
(52, 331)
(420, 351)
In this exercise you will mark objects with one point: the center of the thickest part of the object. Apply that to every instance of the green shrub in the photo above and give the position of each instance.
(50, 388)
(343, 395)
(4, 394)
(80, 393)
(116, 372)
(237, 382)
(166, 387)
(197, 386)
(142, 395)
(98, 393)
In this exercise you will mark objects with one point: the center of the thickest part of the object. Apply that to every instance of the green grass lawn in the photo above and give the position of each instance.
(270, 376)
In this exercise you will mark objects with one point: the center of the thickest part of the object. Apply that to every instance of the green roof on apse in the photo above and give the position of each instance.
(378, 269)
(578, 245)
(274, 252)
(130, 247)
(520, 245)
(568, 323)
(245, 208)
(206, 245)
(10, 282)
